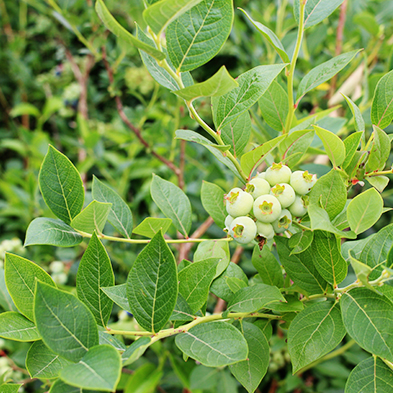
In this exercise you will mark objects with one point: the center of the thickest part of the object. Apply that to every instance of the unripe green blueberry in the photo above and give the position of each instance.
(284, 193)
(302, 182)
(228, 221)
(243, 230)
(261, 175)
(283, 222)
(267, 208)
(238, 202)
(265, 230)
(278, 173)
(257, 187)
(56, 267)
(298, 208)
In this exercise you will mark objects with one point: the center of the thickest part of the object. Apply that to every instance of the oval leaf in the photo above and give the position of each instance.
(212, 197)
(382, 107)
(334, 146)
(92, 218)
(16, 327)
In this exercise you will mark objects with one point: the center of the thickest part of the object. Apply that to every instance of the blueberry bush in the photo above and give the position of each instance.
(257, 249)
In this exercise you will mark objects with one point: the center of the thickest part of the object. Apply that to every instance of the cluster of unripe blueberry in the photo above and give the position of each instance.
(268, 203)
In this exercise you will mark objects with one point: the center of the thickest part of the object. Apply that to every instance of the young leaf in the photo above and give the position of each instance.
(152, 285)
(195, 281)
(219, 84)
(94, 272)
(105, 338)
(368, 318)
(159, 15)
(118, 294)
(267, 267)
(44, 230)
(192, 136)
(120, 216)
(316, 10)
(365, 210)
(357, 115)
(301, 241)
(100, 368)
(145, 379)
(214, 249)
(334, 146)
(151, 225)
(213, 344)
(252, 85)
(10, 387)
(61, 185)
(65, 324)
(212, 198)
(382, 106)
(92, 218)
(251, 299)
(251, 371)
(362, 271)
(378, 182)
(351, 145)
(314, 332)
(380, 151)
(173, 202)
(323, 72)
(42, 363)
(20, 277)
(111, 24)
(5, 298)
(203, 378)
(135, 350)
(196, 37)
(369, 376)
(327, 257)
(14, 326)
(182, 311)
(294, 147)
(61, 387)
(226, 383)
(270, 36)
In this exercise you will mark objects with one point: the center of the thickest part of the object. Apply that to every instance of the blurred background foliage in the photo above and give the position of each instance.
(55, 89)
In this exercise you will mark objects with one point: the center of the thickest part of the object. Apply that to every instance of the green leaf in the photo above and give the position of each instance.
(221, 285)
(235, 284)
(104, 337)
(173, 202)
(150, 226)
(251, 299)
(314, 332)
(378, 182)
(144, 380)
(270, 36)
(42, 363)
(252, 85)
(198, 35)
(203, 378)
(293, 304)
(213, 344)
(24, 108)
(382, 106)
(368, 318)
(61, 185)
(135, 350)
(301, 241)
(53, 232)
(237, 133)
(20, 277)
(226, 383)
(94, 272)
(182, 311)
(195, 281)
(65, 324)
(5, 298)
(16, 327)
(327, 257)
(334, 146)
(111, 24)
(267, 267)
(329, 192)
(251, 371)
(100, 368)
(361, 270)
(10, 388)
(351, 145)
(370, 376)
(253, 158)
(219, 84)
(294, 147)
(316, 10)
(300, 268)
(152, 285)
(61, 387)
(214, 249)
(380, 150)
(118, 294)
(120, 216)
(324, 71)
(212, 197)
(92, 218)
(364, 210)
(357, 115)
(159, 15)
(192, 136)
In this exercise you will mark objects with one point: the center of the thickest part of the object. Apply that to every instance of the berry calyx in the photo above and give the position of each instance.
(238, 202)
(283, 222)
(267, 208)
(257, 187)
(278, 173)
(243, 229)
(302, 182)
(284, 193)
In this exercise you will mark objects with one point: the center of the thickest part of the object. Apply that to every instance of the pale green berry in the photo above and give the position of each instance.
(257, 187)
(243, 230)
(265, 230)
(283, 222)
(298, 208)
(284, 193)
(302, 182)
(228, 221)
(238, 202)
(261, 175)
(267, 208)
(278, 173)
(56, 267)
(59, 278)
